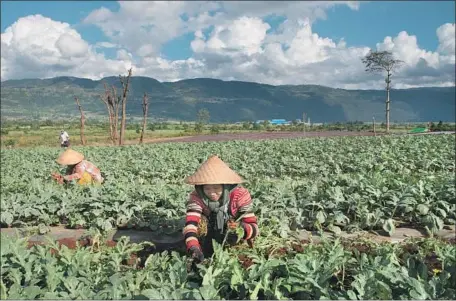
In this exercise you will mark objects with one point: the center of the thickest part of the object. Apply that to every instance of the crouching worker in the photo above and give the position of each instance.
(217, 203)
(78, 169)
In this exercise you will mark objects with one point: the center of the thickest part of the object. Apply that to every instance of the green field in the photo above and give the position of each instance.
(46, 132)
(356, 183)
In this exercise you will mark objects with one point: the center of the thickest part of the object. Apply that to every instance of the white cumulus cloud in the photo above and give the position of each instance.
(244, 35)
(36, 46)
(423, 67)
(231, 40)
(446, 35)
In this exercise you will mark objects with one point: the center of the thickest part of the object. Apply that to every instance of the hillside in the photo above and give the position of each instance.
(225, 100)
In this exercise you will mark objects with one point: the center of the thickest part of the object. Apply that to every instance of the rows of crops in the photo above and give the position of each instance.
(336, 184)
(339, 183)
(419, 270)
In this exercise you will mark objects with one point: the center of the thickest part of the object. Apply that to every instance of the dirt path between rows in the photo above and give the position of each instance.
(239, 136)
(146, 141)
(176, 240)
(259, 136)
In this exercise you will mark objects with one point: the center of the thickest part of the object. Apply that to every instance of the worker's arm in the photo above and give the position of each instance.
(241, 197)
(192, 219)
(78, 172)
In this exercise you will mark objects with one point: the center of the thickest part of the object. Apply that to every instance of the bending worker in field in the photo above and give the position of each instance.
(78, 169)
(217, 203)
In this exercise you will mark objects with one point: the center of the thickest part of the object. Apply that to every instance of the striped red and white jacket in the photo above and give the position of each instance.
(240, 204)
(84, 166)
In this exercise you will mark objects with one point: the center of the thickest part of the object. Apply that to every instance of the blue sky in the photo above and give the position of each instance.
(375, 20)
(364, 27)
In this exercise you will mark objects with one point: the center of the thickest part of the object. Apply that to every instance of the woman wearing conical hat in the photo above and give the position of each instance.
(78, 169)
(219, 202)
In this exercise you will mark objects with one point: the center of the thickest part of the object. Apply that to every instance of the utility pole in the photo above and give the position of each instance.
(304, 122)
(373, 124)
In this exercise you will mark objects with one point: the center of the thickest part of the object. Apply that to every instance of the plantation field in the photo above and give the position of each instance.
(340, 183)
(17, 134)
(277, 269)
(348, 183)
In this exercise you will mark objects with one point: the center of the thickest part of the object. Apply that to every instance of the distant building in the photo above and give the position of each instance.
(275, 122)
(279, 121)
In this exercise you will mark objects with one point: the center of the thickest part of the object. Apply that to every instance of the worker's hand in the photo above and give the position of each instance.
(60, 180)
(235, 233)
(57, 177)
(232, 225)
(196, 254)
(232, 238)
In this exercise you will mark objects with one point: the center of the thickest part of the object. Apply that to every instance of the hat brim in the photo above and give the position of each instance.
(70, 157)
(214, 171)
(189, 181)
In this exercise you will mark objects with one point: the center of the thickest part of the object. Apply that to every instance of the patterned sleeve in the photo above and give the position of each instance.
(192, 219)
(243, 201)
(77, 173)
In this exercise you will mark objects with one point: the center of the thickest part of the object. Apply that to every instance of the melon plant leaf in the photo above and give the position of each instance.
(389, 226)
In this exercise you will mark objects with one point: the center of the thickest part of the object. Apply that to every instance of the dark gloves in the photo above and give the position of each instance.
(236, 232)
(232, 238)
(196, 254)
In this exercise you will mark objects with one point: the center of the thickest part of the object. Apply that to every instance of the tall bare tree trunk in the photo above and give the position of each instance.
(304, 122)
(388, 81)
(107, 100)
(124, 106)
(116, 102)
(145, 106)
(379, 61)
(112, 102)
(83, 141)
(111, 120)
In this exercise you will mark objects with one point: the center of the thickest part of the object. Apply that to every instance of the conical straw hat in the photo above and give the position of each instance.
(214, 171)
(70, 157)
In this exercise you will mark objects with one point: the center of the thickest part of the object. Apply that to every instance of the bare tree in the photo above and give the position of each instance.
(202, 118)
(112, 104)
(83, 141)
(116, 99)
(125, 83)
(106, 99)
(145, 106)
(379, 61)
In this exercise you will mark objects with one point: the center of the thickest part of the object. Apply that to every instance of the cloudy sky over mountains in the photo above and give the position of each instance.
(268, 42)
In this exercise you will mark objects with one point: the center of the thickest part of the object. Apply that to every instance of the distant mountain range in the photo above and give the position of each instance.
(227, 101)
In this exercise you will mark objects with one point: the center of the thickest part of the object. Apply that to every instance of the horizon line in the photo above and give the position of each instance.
(222, 80)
